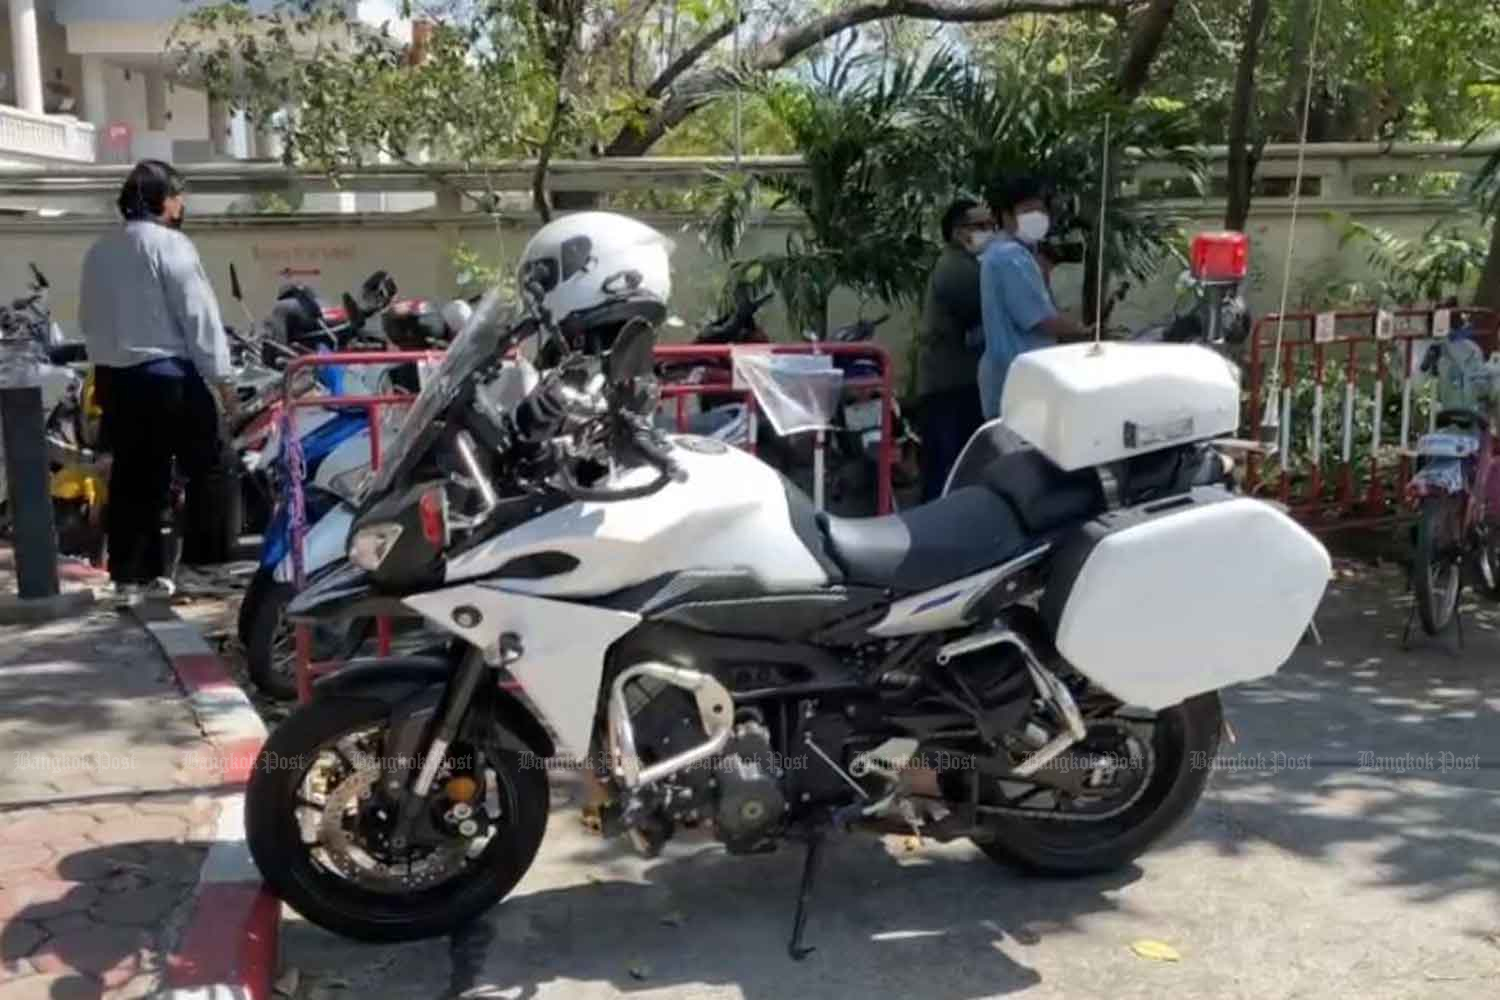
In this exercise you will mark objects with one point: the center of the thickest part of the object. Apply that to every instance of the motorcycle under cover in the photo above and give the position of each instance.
(1167, 600)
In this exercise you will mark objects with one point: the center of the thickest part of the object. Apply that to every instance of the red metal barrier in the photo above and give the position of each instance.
(1365, 352)
(307, 670)
(723, 356)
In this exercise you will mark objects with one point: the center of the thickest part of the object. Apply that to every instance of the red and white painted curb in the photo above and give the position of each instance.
(228, 948)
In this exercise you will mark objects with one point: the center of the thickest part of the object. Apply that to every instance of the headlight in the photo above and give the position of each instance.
(369, 546)
(350, 483)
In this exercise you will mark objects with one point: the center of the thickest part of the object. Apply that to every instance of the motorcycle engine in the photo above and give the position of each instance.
(749, 803)
(738, 790)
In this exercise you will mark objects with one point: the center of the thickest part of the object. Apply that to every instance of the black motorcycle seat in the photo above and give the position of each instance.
(962, 533)
(1044, 496)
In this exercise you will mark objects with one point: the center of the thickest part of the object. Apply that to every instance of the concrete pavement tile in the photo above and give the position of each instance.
(178, 863)
(14, 857)
(145, 907)
(43, 898)
(88, 862)
(67, 986)
(19, 938)
(43, 826)
(100, 950)
(18, 968)
(68, 923)
(135, 827)
(123, 882)
(144, 985)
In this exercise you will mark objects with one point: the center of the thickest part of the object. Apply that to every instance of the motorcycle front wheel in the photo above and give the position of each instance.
(1486, 558)
(271, 643)
(1168, 758)
(316, 826)
(1437, 562)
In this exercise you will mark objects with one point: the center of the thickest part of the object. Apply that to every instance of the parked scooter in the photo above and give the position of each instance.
(1455, 491)
(77, 484)
(336, 461)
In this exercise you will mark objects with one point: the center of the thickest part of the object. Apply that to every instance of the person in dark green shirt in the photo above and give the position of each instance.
(950, 343)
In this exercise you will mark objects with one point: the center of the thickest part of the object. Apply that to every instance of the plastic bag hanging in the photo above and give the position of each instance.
(797, 392)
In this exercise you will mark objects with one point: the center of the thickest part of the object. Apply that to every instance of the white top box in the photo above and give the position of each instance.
(1083, 405)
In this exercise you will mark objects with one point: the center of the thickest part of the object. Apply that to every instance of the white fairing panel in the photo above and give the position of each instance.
(729, 513)
(1192, 602)
(562, 649)
(952, 604)
(1083, 405)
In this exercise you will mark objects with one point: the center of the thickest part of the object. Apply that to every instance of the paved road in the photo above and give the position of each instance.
(1320, 880)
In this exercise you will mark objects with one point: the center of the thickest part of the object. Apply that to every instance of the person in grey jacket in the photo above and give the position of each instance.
(158, 344)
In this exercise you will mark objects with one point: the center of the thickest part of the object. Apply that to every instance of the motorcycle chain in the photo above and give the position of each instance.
(1056, 816)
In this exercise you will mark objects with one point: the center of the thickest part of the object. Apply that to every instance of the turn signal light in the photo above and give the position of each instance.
(433, 509)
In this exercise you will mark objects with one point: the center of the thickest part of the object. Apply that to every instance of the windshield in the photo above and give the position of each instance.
(480, 341)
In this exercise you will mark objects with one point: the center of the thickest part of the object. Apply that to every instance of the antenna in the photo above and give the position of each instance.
(738, 90)
(1270, 423)
(1103, 204)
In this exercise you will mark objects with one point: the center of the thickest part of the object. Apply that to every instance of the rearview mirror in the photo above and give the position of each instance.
(632, 355)
(377, 291)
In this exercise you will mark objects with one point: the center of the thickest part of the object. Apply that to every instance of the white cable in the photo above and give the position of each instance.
(738, 90)
(1286, 277)
(1103, 204)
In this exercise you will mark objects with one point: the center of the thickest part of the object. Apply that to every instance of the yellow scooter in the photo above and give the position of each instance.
(80, 476)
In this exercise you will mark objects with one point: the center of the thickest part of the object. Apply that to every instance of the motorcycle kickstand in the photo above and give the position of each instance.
(795, 948)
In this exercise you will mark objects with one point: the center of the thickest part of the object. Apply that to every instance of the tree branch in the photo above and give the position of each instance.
(689, 56)
(693, 89)
(622, 22)
(1145, 42)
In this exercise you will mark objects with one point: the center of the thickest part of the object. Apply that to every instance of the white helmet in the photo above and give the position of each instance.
(456, 316)
(598, 270)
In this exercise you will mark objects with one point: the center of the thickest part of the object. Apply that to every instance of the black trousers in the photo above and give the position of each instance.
(949, 419)
(157, 423)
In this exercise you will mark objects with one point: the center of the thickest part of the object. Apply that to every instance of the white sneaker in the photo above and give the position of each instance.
(160, 589)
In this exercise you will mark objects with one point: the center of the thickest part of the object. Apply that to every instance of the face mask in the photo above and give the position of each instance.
(1032, 227)
(976, 242)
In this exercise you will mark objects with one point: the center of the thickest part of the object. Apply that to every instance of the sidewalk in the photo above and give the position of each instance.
(108, 805)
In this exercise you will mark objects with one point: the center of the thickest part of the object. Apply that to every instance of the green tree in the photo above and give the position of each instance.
(860, 203)
(499, 79)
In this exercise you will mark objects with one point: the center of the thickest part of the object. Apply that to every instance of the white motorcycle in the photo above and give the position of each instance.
(1030, 662)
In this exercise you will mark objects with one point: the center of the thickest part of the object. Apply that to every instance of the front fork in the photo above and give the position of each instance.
(406, 744)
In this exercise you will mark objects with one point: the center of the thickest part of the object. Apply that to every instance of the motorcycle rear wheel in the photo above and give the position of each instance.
(310, 885)
(1437, 562)
(1184, 741)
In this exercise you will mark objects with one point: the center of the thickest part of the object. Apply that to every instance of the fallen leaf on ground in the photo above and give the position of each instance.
(639, 970)
(1025, 935)
(1155, 951)
(673, 919)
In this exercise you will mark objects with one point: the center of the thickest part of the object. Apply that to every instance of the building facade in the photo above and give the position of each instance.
(87, 81)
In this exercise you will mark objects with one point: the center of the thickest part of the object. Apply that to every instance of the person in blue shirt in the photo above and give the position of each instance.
(1015, 302)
